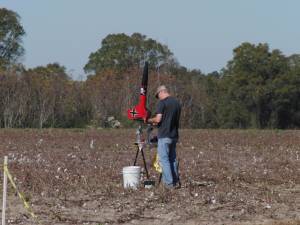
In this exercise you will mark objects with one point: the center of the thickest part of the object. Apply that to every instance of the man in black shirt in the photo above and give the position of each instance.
(167, 120)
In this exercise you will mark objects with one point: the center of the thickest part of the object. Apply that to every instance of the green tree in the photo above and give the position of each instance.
(249, 78)
(294, 62)
(213, 90)
(11, 33)
(120, 52)
(285, 103)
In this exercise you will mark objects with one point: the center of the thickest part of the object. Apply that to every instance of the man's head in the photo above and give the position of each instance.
(162, 92)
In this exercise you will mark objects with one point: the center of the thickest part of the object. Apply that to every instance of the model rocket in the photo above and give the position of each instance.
(140, 111)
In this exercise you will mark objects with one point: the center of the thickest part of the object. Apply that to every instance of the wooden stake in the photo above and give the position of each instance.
(4, 190)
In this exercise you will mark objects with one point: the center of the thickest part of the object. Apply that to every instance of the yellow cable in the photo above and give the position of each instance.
(21, 196)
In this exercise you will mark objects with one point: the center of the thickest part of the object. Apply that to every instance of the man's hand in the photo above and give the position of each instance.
(154, 121)
(146, 120)
(149, 121)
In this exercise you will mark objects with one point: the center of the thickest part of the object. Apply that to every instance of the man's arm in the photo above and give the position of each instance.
(158, 116)
(155, 120)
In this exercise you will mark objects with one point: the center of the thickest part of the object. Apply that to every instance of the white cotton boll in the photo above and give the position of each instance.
(92, 144)
(213, 200)
(39, 142)
(268, 206)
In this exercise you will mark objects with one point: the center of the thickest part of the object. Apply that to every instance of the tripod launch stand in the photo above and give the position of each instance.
(141, 144)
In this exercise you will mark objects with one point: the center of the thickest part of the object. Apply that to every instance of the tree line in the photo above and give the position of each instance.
(258, 88)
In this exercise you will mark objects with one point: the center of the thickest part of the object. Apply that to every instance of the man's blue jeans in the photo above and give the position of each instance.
(167, 158)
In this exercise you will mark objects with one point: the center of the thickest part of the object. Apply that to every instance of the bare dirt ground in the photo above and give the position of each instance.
(228, 177)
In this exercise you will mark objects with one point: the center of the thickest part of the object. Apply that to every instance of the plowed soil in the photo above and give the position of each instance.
(228, 177)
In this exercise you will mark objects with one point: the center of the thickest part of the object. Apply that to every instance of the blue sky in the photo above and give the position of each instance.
(200, 33)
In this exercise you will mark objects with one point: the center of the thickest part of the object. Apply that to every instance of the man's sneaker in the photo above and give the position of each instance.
(169, 186)
(177, 185)
(172, 186)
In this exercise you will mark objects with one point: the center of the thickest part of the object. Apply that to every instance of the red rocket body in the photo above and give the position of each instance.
(140, 111)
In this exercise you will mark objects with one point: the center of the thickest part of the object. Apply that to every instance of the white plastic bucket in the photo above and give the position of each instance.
(131, 176)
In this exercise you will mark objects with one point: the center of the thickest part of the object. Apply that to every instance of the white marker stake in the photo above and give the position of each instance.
(4, 191)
